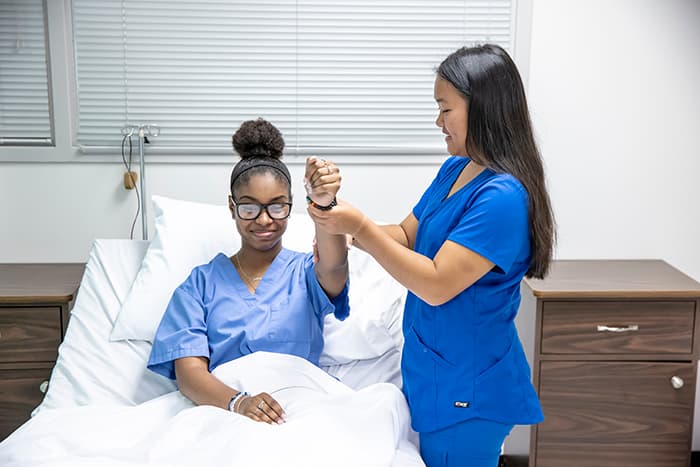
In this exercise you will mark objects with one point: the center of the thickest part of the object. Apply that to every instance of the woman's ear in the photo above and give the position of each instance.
(231, 207)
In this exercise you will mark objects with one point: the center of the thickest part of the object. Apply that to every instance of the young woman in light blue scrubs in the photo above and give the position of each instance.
(263, 298)
(483, 224)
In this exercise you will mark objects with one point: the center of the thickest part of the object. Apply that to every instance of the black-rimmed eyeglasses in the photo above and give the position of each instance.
(251, 211)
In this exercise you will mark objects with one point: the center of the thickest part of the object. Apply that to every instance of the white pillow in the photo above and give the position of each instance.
(187, 234)
(376, 311)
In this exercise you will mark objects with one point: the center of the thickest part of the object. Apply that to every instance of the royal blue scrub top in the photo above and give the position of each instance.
(213, 314)
(463, 359)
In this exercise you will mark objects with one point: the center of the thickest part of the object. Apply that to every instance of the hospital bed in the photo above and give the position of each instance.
(104, 408)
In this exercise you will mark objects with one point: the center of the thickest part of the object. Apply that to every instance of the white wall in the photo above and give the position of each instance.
(53, 212)
(613, 88)
(615, 96)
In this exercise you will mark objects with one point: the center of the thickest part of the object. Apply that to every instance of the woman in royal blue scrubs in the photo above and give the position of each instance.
(263, 298)
(483, 224)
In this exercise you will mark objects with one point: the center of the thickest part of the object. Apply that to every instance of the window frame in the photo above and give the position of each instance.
(63, 95)
(50, 140)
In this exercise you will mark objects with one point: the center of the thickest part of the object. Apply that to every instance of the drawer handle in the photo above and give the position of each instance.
(44, 386)
(677, 382)
(631, 327)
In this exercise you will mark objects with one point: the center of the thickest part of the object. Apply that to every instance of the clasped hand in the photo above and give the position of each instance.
(261, 408)
(321, 180)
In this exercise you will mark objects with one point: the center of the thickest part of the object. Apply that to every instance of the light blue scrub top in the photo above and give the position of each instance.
(463, 359)
(212, 314)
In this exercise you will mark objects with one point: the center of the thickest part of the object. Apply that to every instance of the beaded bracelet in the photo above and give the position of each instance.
(232, 403)
(322, 208)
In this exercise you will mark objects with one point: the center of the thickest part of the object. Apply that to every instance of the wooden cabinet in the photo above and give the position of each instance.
(615, 361)
(35, 300)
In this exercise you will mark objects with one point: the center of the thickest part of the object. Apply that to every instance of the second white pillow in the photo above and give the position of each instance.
(186, 234)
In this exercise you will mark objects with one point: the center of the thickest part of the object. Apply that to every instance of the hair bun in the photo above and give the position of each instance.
(258, 138)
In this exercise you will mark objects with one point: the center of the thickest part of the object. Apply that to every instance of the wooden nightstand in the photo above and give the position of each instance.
(35, 300)
(615, 359)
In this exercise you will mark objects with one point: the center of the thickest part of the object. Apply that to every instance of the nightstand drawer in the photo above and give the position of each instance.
(29, 334)
(617, 327)
(21, 390)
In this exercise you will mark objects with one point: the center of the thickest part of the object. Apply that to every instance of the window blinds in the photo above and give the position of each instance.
(353, 75)
(24, 86)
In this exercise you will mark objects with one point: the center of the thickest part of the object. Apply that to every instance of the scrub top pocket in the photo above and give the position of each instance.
(287, 329)
(423, 348)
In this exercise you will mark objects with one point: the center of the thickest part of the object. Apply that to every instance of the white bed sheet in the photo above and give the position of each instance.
(327, 423)
(92, 371)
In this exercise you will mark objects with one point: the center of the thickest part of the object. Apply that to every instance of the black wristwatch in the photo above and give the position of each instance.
(322, 208)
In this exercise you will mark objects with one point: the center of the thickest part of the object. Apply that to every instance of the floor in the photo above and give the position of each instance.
(521, 461)
(513, 461)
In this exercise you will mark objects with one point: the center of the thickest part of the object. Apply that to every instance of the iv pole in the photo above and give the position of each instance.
(143, 131)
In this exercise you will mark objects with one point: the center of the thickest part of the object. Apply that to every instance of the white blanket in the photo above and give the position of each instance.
(327, 424)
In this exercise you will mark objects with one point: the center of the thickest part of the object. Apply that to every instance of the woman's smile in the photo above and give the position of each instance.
(264, 234)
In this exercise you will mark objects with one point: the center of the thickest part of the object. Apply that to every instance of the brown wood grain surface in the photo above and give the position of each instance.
(19, 395)
(614, 279)
(39, 282)
(655, 327)
(615, 414)
(29, 334)
(581, 454)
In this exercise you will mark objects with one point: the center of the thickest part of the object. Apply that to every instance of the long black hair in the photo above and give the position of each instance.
(500, 136)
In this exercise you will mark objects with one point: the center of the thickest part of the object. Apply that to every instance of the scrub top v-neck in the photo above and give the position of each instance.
(212, 314)
(270, 275)
(457, 171)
